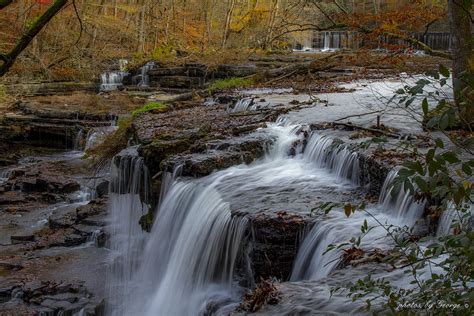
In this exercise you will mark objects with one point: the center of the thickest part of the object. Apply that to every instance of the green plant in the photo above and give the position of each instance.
(230, 83)
(442, 177)
(149, 107)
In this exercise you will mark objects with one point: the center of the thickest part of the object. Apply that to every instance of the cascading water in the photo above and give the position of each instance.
(4, 175)
(188, 262)
(110, 81)
(142, 79)
(402, 204)
(244, 104)
(312, 263)
(97, 135)
(343, 162)
(449, 216)
(128, 201)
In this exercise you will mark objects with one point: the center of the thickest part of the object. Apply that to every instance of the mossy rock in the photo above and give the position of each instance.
(158, 150)
(146, 221)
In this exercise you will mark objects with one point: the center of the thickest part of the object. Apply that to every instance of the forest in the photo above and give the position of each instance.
(236, 157)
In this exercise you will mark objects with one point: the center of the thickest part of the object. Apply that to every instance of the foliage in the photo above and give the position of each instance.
(229, 83)
(152, 106)
(441, 267)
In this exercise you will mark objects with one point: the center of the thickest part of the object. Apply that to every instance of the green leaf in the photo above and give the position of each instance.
(430, 155)
(439, 143)
(467, 169)
(444, 71)
(424, 106)
(415, 166)
(450, 157)
(422, 184)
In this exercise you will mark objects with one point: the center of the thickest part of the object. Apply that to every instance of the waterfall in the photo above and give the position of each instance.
(400, 208)
(185, 265)
(327, 43)
(128, 201)
(448, 217)
(190, 256)
(110, 81)
(78, 140)
(333, 40)
(343, 162)
(244, 104)
(143, 80)
(401, 204)
(96, 135)
(4, 175)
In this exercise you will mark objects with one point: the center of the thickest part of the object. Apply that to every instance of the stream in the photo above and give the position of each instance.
(187, 264)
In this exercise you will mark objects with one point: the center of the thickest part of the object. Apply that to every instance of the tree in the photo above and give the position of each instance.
(460, 21)
(9, 58)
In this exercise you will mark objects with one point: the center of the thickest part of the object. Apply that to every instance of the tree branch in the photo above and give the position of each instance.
(5, 3)
(30, 34)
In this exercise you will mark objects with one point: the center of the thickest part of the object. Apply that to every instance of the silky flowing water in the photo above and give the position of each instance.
(186, 264)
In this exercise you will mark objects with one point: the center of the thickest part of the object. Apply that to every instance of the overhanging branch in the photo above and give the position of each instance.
(26, 39)
(5, 3)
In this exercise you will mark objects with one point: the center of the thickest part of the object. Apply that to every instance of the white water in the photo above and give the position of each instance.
(450, 215)
(129, 177)
(110, 81)
(187, 264)
(398, 209)
(4, 175)
(143, 80)
(244, 104)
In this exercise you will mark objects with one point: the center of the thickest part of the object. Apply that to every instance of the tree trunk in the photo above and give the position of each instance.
(463, 59)
(25, 40)
(228, 18)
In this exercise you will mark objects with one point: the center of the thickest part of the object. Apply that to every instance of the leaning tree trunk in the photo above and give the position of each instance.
(9, 58)
(463, 59)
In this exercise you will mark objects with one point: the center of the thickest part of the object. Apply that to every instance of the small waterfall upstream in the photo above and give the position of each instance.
(244, 104)
(142, 79)
(5, 175)
(336, 40)
(110, 81)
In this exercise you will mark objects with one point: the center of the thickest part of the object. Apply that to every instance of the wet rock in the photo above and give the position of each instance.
(102, 188)
(22, 239)
(274, 243)
(224, 71)
(61, 220)
(6, 266)
(49, 185)
(69, 240)
(218, 155)
(93, 208)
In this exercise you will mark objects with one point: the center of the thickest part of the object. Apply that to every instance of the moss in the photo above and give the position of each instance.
(152, 106)
(230, 83)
